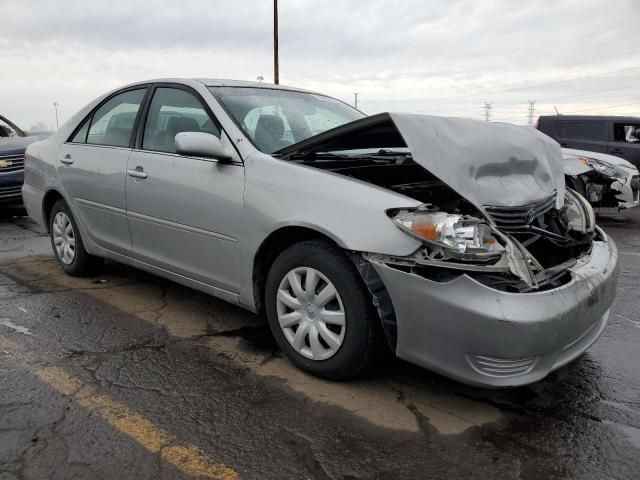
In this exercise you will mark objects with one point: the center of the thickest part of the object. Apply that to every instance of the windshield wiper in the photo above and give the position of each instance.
(313, 156)
(394, 153)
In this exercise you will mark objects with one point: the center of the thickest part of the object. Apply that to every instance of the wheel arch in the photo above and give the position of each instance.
(272, 246)
(281, 239)
(48, 201)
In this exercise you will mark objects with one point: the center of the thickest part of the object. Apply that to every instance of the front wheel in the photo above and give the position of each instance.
(320, 311)
(67, 243)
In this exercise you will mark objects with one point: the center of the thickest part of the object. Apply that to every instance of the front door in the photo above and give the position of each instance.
(92, 167)
(184, 212)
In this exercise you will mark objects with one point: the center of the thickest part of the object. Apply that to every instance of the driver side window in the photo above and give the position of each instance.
(173, 111)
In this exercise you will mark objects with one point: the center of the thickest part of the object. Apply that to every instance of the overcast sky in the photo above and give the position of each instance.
(441, 57)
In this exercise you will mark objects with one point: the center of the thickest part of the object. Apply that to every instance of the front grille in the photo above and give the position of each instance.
(11, 163)
(10, 192)
(514, 218)
(501, 367)
(635, 182)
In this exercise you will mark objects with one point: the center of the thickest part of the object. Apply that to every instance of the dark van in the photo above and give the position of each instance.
(619, 136)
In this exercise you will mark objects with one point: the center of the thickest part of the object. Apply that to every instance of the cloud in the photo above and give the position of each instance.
(447, 56)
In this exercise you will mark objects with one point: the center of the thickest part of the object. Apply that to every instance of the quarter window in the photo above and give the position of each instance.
(112, 123)
(580, 130)
(81, 135)
(173, 111)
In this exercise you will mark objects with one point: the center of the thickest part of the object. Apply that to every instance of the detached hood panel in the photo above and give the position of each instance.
(486, 163)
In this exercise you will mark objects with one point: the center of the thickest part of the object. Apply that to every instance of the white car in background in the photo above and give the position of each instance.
(604, 180)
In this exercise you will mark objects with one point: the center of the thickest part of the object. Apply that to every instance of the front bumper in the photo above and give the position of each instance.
(481, 336)
(629, 196)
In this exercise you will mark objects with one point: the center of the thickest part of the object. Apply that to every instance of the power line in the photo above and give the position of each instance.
(515, 89)
(605, 107)
(569, 96)
(447, 110)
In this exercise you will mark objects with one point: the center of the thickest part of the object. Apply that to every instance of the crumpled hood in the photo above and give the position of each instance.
(487, 163)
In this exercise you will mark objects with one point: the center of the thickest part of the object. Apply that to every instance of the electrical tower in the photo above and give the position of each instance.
(531, 111)
(487, 111)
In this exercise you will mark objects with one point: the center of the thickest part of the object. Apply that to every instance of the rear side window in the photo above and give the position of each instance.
(173, 111)
(587, 130)
(626, 132)
(112, 123)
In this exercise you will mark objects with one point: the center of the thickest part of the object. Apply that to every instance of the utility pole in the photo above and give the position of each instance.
(487, 111)
(355, 103)
(276, 61)
(531, 112)
(55, 106)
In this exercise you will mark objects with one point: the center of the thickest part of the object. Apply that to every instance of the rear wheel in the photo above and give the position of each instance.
(67, 243)
(320, 312)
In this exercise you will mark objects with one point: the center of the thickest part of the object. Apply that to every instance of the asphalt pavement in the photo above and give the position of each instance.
(128, 376)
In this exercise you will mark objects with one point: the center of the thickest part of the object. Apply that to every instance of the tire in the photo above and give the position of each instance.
(359, 337)
(64, 232)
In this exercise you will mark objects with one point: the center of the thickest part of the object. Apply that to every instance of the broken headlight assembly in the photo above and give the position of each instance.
(578, 213)
(599, 166)
(458, 236)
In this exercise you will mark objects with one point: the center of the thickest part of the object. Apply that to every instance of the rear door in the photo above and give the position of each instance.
(625, 141)
(184, 212)
(588, 135)
(92, 166)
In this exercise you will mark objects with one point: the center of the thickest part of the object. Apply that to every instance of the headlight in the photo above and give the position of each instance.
(578, 213)
(460, 233)
(599, 166)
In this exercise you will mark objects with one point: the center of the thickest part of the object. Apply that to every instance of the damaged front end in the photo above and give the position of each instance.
(514, 249)
(493, 200)
(604, 180)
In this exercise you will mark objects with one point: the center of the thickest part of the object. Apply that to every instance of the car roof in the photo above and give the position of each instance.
(221, 82)
(592, 117)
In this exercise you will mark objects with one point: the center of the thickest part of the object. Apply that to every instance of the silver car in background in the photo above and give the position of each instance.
(454, 242)
(604, 180)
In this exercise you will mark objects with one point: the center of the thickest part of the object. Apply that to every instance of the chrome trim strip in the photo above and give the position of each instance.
(180, 226)
(101, 206)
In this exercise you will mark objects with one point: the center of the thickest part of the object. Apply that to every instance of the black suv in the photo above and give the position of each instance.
(619, 136)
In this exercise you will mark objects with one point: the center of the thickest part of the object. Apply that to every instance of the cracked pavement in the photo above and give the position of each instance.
(170, 383)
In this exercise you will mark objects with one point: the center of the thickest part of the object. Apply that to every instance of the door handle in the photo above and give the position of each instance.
(67, 160)
(617, 150)
(564, 145)
(137, 172)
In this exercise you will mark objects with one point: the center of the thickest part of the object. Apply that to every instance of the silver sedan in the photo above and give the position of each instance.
(452, 242)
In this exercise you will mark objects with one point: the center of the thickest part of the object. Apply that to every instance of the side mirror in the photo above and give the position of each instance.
(200, 144)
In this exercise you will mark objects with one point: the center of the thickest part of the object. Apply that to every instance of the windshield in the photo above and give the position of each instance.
(274, 119)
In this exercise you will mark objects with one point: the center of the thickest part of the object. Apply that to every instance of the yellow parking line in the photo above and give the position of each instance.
(188, 458)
